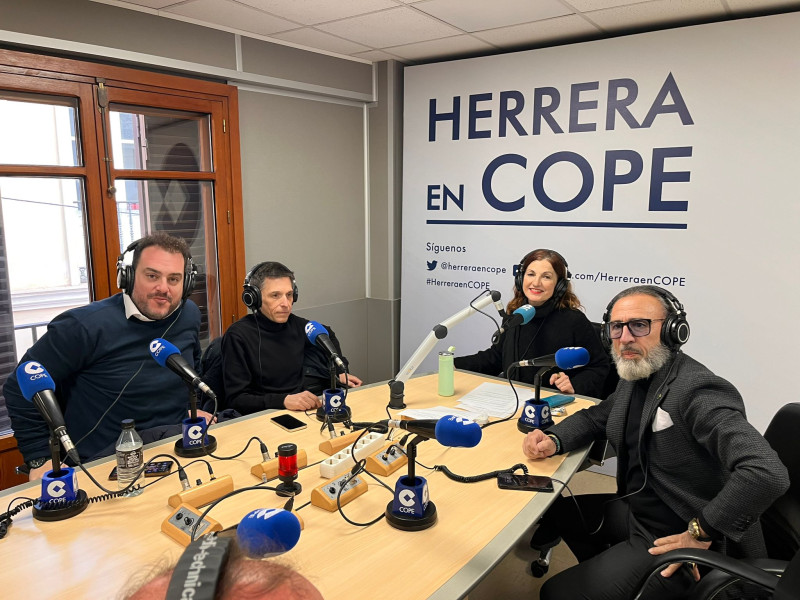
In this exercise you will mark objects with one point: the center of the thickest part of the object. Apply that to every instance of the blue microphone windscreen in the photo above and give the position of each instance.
(527, 312)
(313, 329)
(161, 350)
(571, 358)
(458, 432)
(268, 532)
(33, 378)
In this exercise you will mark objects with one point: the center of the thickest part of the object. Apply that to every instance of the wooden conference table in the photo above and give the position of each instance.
(94, 554)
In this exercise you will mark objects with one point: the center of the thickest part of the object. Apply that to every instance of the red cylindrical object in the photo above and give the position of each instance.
(287, 461)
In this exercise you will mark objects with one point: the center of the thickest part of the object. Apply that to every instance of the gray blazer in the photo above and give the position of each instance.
(702, 454)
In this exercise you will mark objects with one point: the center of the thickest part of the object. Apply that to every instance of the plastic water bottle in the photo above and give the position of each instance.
(446, 369)
(130, 457)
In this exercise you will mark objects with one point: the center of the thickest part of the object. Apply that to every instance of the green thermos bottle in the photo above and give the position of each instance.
(446, 371)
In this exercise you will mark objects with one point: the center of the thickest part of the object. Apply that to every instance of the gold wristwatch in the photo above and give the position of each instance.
(696, 532)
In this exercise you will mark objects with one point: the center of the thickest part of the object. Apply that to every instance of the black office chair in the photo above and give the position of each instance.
(211, 373)
(780, 523)
(778, 578)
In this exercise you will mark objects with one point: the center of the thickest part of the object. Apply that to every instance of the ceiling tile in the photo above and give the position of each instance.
(442, 48)
(753, 5)
(391, 27)
(551, 30)
(321, 40)
(233, 15)
(589, 5)
(476, 15)
(377, 56)
(151, 3)
(311, 12)
(658, 12)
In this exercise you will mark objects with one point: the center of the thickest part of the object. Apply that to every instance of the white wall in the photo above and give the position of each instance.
(729, 234)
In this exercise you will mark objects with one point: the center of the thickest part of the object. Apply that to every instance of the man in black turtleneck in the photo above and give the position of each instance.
(263, 353)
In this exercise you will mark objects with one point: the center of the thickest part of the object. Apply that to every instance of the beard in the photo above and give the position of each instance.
(632, 369)
(155, 313)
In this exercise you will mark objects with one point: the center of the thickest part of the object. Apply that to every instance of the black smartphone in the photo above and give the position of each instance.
(531, 483)
(154, 469)
(288, 422)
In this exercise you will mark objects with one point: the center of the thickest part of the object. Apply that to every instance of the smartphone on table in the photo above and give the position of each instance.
(530, 483)
(288, 422)
(154, 469)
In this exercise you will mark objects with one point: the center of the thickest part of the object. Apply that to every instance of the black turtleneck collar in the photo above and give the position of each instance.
(268, 324)
(544, 310)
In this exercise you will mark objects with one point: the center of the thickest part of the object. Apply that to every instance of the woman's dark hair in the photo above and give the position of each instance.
(567, 300)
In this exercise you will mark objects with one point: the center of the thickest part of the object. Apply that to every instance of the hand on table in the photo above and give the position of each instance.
(538, 445)
(302, 401)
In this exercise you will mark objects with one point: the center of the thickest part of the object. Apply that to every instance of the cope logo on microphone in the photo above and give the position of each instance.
(56, 489)
(530, 412)
(35, 370)
(309, 327)
(195, 432)
(335, 401)
(156, 347)
(461, 420)
(406, 498)
(264, 513)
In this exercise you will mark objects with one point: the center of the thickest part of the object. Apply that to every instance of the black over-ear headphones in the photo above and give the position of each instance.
(675, 330)
(561, 285)
(251, 294)
(125, 273)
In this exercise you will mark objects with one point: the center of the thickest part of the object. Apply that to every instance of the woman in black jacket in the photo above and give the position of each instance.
(543, 281)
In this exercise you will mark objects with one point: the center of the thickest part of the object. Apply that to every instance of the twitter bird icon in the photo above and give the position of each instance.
(431, 265)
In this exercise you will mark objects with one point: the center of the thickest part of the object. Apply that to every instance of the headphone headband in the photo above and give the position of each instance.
(562, 285)
(126, 273)
(251, 294)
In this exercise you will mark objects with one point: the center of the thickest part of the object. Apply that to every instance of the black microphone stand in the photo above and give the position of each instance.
(59, 510)
(537, 396)
(408, 522)
(208, 443)
(339, 416)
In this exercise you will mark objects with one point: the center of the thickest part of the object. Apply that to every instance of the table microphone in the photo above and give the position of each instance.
(521, 316)
(456, 432)
(268, 532)
(261, 533)
(61, 497)
(565, 358)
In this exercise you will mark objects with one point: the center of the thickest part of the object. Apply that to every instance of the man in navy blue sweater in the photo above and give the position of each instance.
(98, 356)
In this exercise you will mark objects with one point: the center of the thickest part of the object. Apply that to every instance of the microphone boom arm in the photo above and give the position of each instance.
(439, 332)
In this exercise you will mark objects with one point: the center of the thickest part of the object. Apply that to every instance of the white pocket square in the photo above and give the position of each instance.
(662, 421)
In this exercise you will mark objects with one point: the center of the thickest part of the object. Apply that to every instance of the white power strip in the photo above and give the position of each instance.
(343, 461)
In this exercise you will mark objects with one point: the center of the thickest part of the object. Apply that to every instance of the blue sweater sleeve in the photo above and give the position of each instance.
(65, 349)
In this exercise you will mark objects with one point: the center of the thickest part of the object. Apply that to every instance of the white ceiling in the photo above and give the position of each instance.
(415, 31)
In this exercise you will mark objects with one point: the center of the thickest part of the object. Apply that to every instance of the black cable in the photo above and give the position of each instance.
(476, 478)
(354, 472)
(472, 306)
(250, 441)
(258, 486)
(516, 408)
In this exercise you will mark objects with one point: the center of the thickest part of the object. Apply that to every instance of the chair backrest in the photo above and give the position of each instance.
(781, 521)
(211, 372)
(789, 586)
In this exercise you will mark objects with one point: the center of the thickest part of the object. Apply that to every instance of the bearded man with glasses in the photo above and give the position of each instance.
(692, 472)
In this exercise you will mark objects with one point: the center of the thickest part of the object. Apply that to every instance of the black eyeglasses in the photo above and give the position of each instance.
(637, 327)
